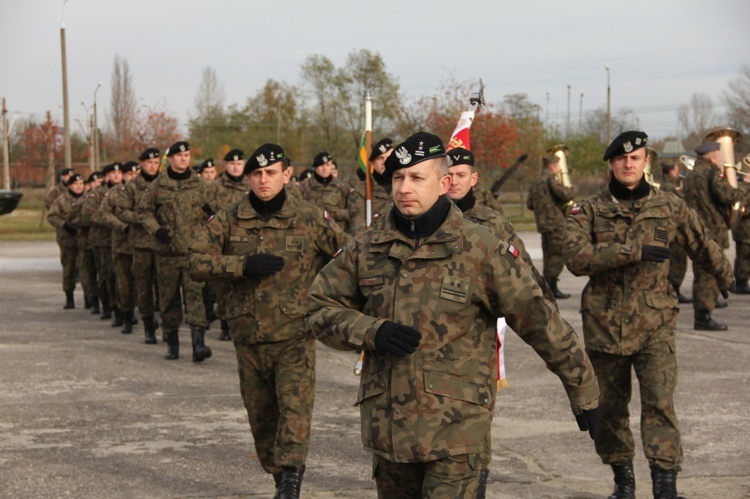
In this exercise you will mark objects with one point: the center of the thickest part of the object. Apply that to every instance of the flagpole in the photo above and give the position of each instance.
(368, 147)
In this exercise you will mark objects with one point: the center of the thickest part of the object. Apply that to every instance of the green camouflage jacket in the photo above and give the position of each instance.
(334, 198)
(180, 206)
(438, 402)
(126, 211)
(100, 235)
(381, 201)
(741, 230)
(547, 198)
(228, 192)
(66, 208)
(668, 184)
(708, 192)
(107, 214)
(274, 305)
(58, 190)
(628, 303)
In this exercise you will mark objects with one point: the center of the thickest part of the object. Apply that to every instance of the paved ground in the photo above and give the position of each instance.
(88, 412)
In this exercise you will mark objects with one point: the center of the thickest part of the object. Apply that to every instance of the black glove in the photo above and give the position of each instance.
(655, 253)
(69, 229)
(397, 339)
(732, 288)
(162, 235)
(589, 420)
(262, 264)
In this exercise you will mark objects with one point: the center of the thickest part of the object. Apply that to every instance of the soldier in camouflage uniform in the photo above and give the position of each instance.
(61, 215)
(325, 191)
(741, 235)
(708, 192)
(100, 238)
(547, 198)
(87, 262)
(246, 245)
(620, 239)
(678, 260)
(144, 261)
(59, 189)
(381, 189)
(172, 209)
(122, 250)
(420, 293)
(231, 187)
(207, 172)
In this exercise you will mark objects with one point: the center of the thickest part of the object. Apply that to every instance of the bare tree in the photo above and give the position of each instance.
(122, 115)
(737, 100)
(696, 116)
(210, 97)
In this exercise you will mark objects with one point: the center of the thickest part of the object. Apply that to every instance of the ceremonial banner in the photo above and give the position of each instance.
(502, 381)
(362, 156)
(460, 136)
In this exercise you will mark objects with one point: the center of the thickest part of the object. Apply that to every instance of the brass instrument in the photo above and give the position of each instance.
(647, 172)
(688, 161)
(728, 138)
(562, 151)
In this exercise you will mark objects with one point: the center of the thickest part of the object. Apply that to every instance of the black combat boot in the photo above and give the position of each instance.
(173, 345)
(741, 288)
(69, 302)
(86, 300)
(149, 326)
(721, 304)
(117, 321)
(225, 331)
(95, 310)
(704, 322)
(127, 323)
(200, 351)
(290, 483)
(665, 484)
(106, 310)
(482, 483)
(211, 314)
(552, 281)
(624, 481)
(680, 297)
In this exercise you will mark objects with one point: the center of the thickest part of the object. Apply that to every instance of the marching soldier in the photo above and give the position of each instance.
(207, 170)
(59, 189)
(246, 245)
(420, 294)
(92, 272)
(143, 243)
(381, 189)
(172, 209)
(678, 260)
(547, 198)
(86, 266)
(708, 192)
(620, 238)
(324, 190)
(741, 235)
(64, 215)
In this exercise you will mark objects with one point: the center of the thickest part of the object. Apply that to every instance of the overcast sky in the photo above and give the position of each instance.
(660, 52)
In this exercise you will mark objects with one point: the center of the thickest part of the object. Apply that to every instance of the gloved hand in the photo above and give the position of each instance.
(732, 288)
(162, 235)
(655, 253)
(262, 264)
(69, 229)
(397, 339)
(589, 420)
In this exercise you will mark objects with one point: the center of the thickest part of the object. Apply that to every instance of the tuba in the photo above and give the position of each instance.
(562, 151)
(688, 161)
(728, 138)
(648, 171)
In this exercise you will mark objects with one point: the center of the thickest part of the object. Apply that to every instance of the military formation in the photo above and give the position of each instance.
(416, 288)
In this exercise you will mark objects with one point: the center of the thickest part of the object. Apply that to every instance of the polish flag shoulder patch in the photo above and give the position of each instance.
(576, 210)
(513, 251)
(326, 215)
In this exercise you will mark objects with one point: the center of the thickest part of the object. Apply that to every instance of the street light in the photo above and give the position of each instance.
(609, 110)
(567, 128)
(66, 115)
(547, 109)
(96, 131)
(580, 114)
(90, 121)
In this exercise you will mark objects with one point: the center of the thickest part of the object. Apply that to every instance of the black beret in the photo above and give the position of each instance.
(460, 156)
(235, 155)
(625, 143)
(307, 174)
(265, 155)
(419, 147)
(111, 168)
(321, 158)
(180, 146)
(381, 147)
(67, 171)
(149, 153)
(94, 176)
(131, 166)
(707, 147)
(209, 163)
(74, 178)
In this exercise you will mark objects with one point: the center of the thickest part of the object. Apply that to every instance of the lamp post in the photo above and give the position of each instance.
(66, 115)
(567, 127)
(580, 114)
(96, 132)
(90, 122)
(547, 120)
(609, 110)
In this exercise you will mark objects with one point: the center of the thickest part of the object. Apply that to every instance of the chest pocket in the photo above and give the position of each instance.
(609, 226)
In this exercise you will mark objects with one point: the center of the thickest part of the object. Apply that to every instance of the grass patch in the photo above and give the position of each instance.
(23, 225)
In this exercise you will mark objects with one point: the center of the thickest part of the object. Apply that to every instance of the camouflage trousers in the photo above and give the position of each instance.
(742, 261)
(677, 265)
(174, 282)
(705, 289)
(103, 263)
(450, 477)
(552, 252)
(655, 367)
(122, 265)
(277, 383)
(87, 270)
(68, 260)
(144, 276)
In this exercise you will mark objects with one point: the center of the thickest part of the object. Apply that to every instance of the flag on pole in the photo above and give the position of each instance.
(460, 136)
(502, 381)
(362, 153)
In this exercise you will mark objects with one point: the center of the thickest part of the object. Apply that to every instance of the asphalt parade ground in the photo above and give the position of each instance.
(87, 412)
